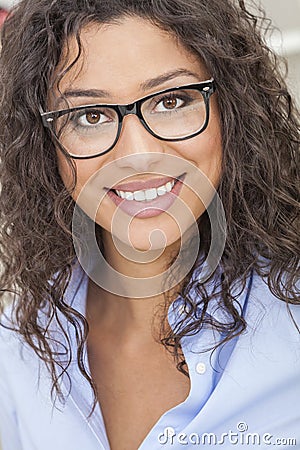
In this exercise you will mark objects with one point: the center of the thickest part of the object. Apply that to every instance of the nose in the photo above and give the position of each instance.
(136, 148)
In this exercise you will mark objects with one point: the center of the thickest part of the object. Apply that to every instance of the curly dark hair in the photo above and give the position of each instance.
(259, 187)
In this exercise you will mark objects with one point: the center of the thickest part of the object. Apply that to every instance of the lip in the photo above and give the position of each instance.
(152, 208)
(142, 185)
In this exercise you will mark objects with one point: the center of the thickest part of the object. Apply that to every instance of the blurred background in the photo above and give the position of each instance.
(286, 39)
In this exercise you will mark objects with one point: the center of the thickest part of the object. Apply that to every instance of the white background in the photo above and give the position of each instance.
(286, 16)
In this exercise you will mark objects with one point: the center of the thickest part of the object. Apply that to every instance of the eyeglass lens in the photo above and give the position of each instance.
(170, 115)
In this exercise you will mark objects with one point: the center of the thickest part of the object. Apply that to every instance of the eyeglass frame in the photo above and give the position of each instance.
(206, 88)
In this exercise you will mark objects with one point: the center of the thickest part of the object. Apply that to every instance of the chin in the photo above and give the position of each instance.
(157, 240)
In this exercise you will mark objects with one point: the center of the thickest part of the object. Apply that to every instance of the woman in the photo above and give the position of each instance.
(149, 214)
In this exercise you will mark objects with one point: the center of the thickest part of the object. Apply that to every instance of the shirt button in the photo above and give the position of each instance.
(201, 368)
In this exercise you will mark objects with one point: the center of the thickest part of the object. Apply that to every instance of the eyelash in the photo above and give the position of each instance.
(76, 116)
(173, 95)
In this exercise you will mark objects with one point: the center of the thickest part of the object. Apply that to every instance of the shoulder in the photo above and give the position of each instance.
(13, 349)
(264, 306)
(271, 340)
(12, 341)
(8, 335)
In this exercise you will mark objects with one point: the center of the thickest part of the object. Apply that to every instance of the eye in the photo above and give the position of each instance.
(90, 118)
(169, 102)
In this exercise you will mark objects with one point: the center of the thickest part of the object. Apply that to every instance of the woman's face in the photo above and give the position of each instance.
(120, 64)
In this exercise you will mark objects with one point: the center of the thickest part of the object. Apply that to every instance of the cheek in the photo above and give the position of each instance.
(84, 170)
(204, 152)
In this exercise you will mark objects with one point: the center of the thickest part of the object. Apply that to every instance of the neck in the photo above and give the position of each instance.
(134, 307)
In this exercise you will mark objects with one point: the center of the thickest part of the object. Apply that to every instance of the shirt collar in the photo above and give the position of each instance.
(178, 309)
(76, 295)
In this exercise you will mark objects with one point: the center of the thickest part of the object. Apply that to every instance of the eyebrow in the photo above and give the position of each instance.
(154, 82)
(146, 85)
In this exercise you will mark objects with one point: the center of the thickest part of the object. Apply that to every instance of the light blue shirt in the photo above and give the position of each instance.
(245, 395)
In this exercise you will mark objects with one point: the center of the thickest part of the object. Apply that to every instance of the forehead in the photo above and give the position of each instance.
(119, 57)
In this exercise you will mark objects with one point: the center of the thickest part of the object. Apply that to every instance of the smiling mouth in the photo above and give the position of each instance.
(147, 195)
(159, 196)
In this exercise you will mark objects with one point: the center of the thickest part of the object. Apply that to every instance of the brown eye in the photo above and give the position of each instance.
(170, 103)
(93, 118)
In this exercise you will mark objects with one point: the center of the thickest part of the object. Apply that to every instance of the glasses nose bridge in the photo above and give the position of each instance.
(125, 110)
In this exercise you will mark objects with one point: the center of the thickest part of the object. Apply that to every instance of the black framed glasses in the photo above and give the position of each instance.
(174, 114)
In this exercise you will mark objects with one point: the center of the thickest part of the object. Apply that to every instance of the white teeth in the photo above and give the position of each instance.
(121, 194)
(151, 194)
(147, 194)
(169, 186)
(128, 195)
(139, 196)
(161, 190)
